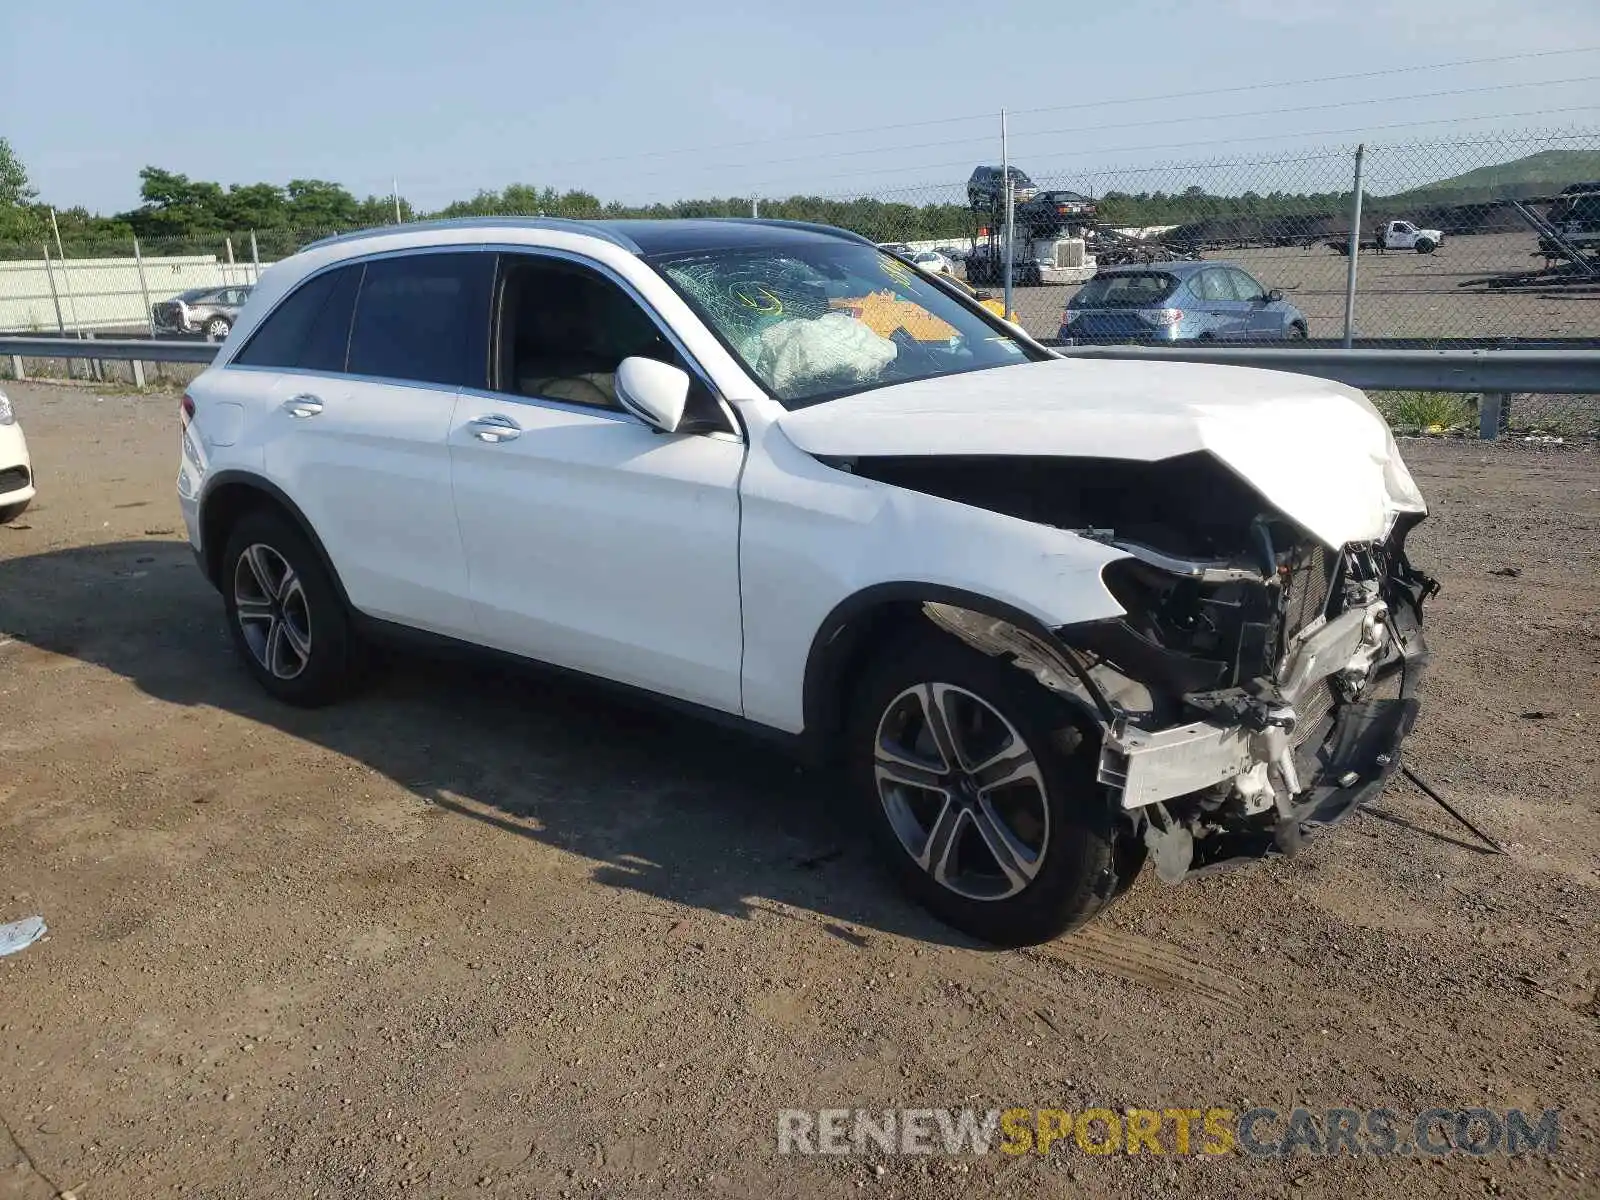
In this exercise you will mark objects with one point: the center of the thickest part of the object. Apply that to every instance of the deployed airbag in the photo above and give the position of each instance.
(799, 353)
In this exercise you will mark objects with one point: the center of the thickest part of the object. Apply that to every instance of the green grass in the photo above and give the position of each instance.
(1426, 412)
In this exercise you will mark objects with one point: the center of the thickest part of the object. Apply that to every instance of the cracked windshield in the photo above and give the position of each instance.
(816, 322)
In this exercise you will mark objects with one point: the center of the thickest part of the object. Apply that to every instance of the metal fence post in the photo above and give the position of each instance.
(1006, 246)
(227, 276)
(255, 256)
(1355, 252)
(66, 279)
(55, 296)
(1490, 405)
(136, 366)
(144, 289)
(55, 299)
(16, 367)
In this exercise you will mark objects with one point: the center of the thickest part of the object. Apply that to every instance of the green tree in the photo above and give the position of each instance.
(19, 218)
(316, 204)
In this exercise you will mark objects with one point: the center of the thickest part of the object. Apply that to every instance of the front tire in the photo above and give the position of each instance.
(981, 790)
(10, 512)
(217, 329)
(285, 615)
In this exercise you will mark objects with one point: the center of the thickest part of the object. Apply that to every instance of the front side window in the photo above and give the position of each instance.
(310, 330)
(1245, 287)
(422, 317)
(816, 321)
(1213, 285)
(564, 330)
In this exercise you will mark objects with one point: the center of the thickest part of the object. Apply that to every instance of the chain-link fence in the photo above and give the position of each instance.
(1469, 241)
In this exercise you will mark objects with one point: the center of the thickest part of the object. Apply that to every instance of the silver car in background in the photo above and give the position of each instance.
(210, 311)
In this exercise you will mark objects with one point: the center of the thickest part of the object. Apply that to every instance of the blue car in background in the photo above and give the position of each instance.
(1179, 301)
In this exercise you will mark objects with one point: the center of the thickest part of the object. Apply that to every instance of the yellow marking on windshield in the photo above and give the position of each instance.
(765, 302)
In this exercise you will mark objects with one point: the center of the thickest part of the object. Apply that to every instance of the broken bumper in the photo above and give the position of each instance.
(1346, 756)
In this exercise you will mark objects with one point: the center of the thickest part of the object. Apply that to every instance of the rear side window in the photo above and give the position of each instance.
(1135, 289)
(424, 318)
(311, 329)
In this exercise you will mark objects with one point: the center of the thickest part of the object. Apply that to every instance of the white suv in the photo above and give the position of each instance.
(1049, 616)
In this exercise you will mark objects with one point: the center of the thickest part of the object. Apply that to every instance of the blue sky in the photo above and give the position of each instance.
(475, 94)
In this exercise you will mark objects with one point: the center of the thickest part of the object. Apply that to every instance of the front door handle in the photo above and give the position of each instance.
(303, 405)
(494, 428)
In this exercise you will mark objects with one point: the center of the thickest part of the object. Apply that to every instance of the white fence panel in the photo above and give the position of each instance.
(104, 293)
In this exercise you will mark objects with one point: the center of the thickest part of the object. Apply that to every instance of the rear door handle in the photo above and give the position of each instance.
(494, 428)
(303, 405)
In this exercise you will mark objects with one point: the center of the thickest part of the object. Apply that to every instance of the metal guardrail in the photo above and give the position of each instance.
(134, 351)
(120, 349)
(1554, 371)
(1492, 373)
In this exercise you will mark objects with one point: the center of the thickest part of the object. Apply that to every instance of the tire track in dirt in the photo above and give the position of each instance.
(1139, 960)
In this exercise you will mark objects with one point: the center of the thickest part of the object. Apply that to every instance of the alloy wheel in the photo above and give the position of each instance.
(962, 791)
(274, 616)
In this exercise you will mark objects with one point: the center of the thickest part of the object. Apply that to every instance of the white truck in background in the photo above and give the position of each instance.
(1395, 235)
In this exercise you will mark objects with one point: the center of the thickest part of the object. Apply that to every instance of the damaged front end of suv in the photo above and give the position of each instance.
(1260, 681)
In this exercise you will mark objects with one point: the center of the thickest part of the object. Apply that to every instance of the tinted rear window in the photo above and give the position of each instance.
(1131, 290)
(311, 329)
(424, 317)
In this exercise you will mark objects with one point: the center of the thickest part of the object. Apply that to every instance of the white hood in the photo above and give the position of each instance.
(1317, 451)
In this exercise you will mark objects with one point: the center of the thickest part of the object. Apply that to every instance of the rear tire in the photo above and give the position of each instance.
(295, 634)
(10, 512)
(937, 812)
(217, 329)
(1298, 332)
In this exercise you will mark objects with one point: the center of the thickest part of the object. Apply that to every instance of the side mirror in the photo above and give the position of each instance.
(655, 392)
(1274, 295)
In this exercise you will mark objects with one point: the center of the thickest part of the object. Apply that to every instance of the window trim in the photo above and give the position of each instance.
(733, 427)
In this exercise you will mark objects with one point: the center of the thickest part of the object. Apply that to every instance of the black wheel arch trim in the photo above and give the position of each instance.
(211, 555)
(827, 657)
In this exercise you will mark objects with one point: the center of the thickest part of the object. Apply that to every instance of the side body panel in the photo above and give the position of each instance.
(371, 472)
(814, 536)
(598, 544)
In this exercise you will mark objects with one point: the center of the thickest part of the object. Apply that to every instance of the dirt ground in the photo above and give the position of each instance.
(1400, 295)
(475, 934)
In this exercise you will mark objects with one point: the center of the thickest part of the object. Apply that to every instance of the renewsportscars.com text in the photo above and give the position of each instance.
(1255, 1132)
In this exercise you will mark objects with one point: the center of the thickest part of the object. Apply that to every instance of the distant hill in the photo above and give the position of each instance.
(1538, 174)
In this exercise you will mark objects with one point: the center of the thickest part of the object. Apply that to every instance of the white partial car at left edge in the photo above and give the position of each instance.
(16, 469)
(1049, 617)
